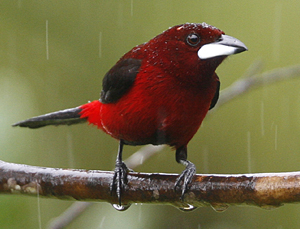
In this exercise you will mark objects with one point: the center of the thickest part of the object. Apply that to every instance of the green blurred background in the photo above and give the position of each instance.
(39, 73)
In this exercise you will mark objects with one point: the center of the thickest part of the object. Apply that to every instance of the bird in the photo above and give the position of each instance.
(157, 93)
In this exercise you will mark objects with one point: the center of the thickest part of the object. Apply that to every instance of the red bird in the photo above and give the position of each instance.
(157, 93)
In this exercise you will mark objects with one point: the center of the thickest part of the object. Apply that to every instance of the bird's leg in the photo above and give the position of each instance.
(187, 174)
(120, 177)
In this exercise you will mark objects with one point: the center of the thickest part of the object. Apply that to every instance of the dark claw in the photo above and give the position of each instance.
(119, 182)
(186, 178)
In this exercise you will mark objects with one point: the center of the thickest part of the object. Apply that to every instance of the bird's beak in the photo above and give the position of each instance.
(226, 46)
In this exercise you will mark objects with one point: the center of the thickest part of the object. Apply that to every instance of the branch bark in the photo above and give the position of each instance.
(218, 191)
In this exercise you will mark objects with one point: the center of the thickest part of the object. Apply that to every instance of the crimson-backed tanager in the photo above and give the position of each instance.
(157, 93)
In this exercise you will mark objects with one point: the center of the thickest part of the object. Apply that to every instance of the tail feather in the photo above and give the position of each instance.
(63, 117)
(91, 111)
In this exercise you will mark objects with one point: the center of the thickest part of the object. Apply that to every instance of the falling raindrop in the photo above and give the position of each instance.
(121, 207)
(205, 159)
(102, 221)
(276, 136)
(100, 44)
(70, 151)
(188, 208)
(277, 32)
(38, 204)
(47, 41)
(131, 8)
(249, 150)
(219, 207)
(262, 120)
(140, 214)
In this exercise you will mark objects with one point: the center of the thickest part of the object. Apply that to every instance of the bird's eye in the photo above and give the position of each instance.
(193, 39)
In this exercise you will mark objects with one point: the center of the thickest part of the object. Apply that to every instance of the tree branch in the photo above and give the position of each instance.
(219, 191)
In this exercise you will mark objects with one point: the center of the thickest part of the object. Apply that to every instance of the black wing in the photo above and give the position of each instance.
(216, 96)
(119, 80)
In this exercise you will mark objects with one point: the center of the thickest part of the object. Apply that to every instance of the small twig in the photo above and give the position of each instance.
(142, 155)
(253, 79)
(69, 215)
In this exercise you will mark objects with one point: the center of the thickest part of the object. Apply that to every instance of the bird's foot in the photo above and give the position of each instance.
(119, 182)
(185, 177)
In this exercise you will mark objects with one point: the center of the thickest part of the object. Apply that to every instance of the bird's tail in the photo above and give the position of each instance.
(87, 112)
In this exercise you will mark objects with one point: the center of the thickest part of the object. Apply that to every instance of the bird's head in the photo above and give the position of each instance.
(192, 49)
